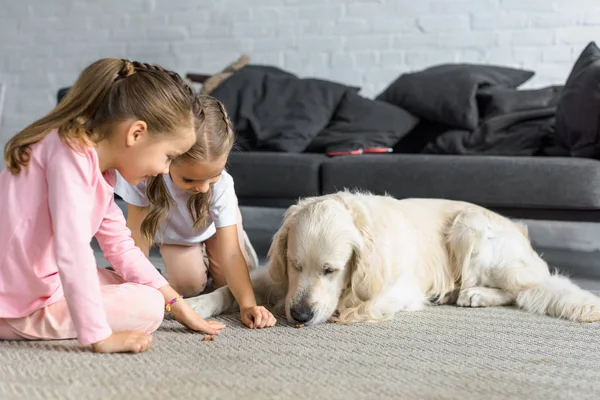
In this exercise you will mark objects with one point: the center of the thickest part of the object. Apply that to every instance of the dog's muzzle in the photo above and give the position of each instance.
(302, 312)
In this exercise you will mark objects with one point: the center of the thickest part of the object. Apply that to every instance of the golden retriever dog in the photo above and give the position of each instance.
(357, 257)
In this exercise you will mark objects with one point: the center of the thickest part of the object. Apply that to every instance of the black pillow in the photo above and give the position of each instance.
(447, 93)
(361, 123)
(415, 141)
(61, 93)
(275, 111)
(578, 113)
(495, 101)
(522, 133)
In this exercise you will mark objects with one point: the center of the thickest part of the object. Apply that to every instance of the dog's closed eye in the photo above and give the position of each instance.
(327, 270)
(297, 265)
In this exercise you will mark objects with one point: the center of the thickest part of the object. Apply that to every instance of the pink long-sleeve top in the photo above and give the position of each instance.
(49, 213)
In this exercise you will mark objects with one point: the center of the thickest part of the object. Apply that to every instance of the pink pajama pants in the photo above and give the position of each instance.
(128, 306)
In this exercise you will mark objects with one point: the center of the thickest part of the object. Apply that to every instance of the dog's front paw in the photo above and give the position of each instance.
(202, 305)
(586, 313)
(472, 297)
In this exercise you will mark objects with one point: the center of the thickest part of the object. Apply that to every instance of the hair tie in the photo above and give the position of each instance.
(127, 70)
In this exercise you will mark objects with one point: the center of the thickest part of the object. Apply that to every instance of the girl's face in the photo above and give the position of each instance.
(145, 155)
(196, 177)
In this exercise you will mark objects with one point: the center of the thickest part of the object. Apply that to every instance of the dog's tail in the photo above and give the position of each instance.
(557, 296)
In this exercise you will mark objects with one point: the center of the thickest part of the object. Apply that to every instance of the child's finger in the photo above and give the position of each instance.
(206, 328)
(216, 324)
(266, 317)
(257, 319)
(248, 321)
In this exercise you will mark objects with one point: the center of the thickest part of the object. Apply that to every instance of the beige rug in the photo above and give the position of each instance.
(440, 353)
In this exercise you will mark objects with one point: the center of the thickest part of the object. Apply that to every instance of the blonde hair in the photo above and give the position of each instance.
(109, 91)
(215, 138)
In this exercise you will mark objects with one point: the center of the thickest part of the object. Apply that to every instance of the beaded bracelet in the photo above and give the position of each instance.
(170, 303)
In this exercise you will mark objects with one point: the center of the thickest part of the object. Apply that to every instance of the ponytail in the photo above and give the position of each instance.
(108, 91)
(69, 116)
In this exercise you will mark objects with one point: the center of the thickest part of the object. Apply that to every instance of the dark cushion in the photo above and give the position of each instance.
(495, 101)
(521, 133)
(361, 123)
(447, 93)
(578, 113)
(283, 176)
(523, 182)
(274, 111)
(423, 133)
(61, 93)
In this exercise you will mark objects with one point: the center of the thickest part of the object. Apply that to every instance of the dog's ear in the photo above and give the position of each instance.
(278, 256)
(366, 265)
(278, 250)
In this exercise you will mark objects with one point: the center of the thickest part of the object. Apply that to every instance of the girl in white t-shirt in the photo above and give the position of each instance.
(192, 214)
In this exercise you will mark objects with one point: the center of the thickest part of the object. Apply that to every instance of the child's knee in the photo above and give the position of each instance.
(190, 287)
(152, 308)
(131, 306)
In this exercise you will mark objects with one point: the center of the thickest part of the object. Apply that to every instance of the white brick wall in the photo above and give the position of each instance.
(44, 44)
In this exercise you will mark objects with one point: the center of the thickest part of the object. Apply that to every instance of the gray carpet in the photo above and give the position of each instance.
(440, 353)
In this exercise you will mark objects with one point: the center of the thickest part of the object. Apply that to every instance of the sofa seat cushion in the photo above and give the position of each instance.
(277, 179)
(495, 182)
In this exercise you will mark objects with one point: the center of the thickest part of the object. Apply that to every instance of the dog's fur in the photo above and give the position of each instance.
(358, 257)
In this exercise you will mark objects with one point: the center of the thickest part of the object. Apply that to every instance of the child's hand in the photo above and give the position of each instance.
(124, 342)
(185, 315)
(257, 317)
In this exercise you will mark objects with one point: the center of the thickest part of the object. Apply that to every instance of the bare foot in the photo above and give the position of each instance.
(124, 342)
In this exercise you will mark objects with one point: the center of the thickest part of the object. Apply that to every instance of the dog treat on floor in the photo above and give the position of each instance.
(299, 326)
(208, 339)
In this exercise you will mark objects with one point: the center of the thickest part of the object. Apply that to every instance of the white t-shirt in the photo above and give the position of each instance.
(177, 227)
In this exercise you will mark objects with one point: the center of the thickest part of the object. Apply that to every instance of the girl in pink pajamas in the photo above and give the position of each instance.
(57, 192)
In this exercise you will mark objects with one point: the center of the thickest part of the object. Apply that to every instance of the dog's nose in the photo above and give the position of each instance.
(302, 314)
